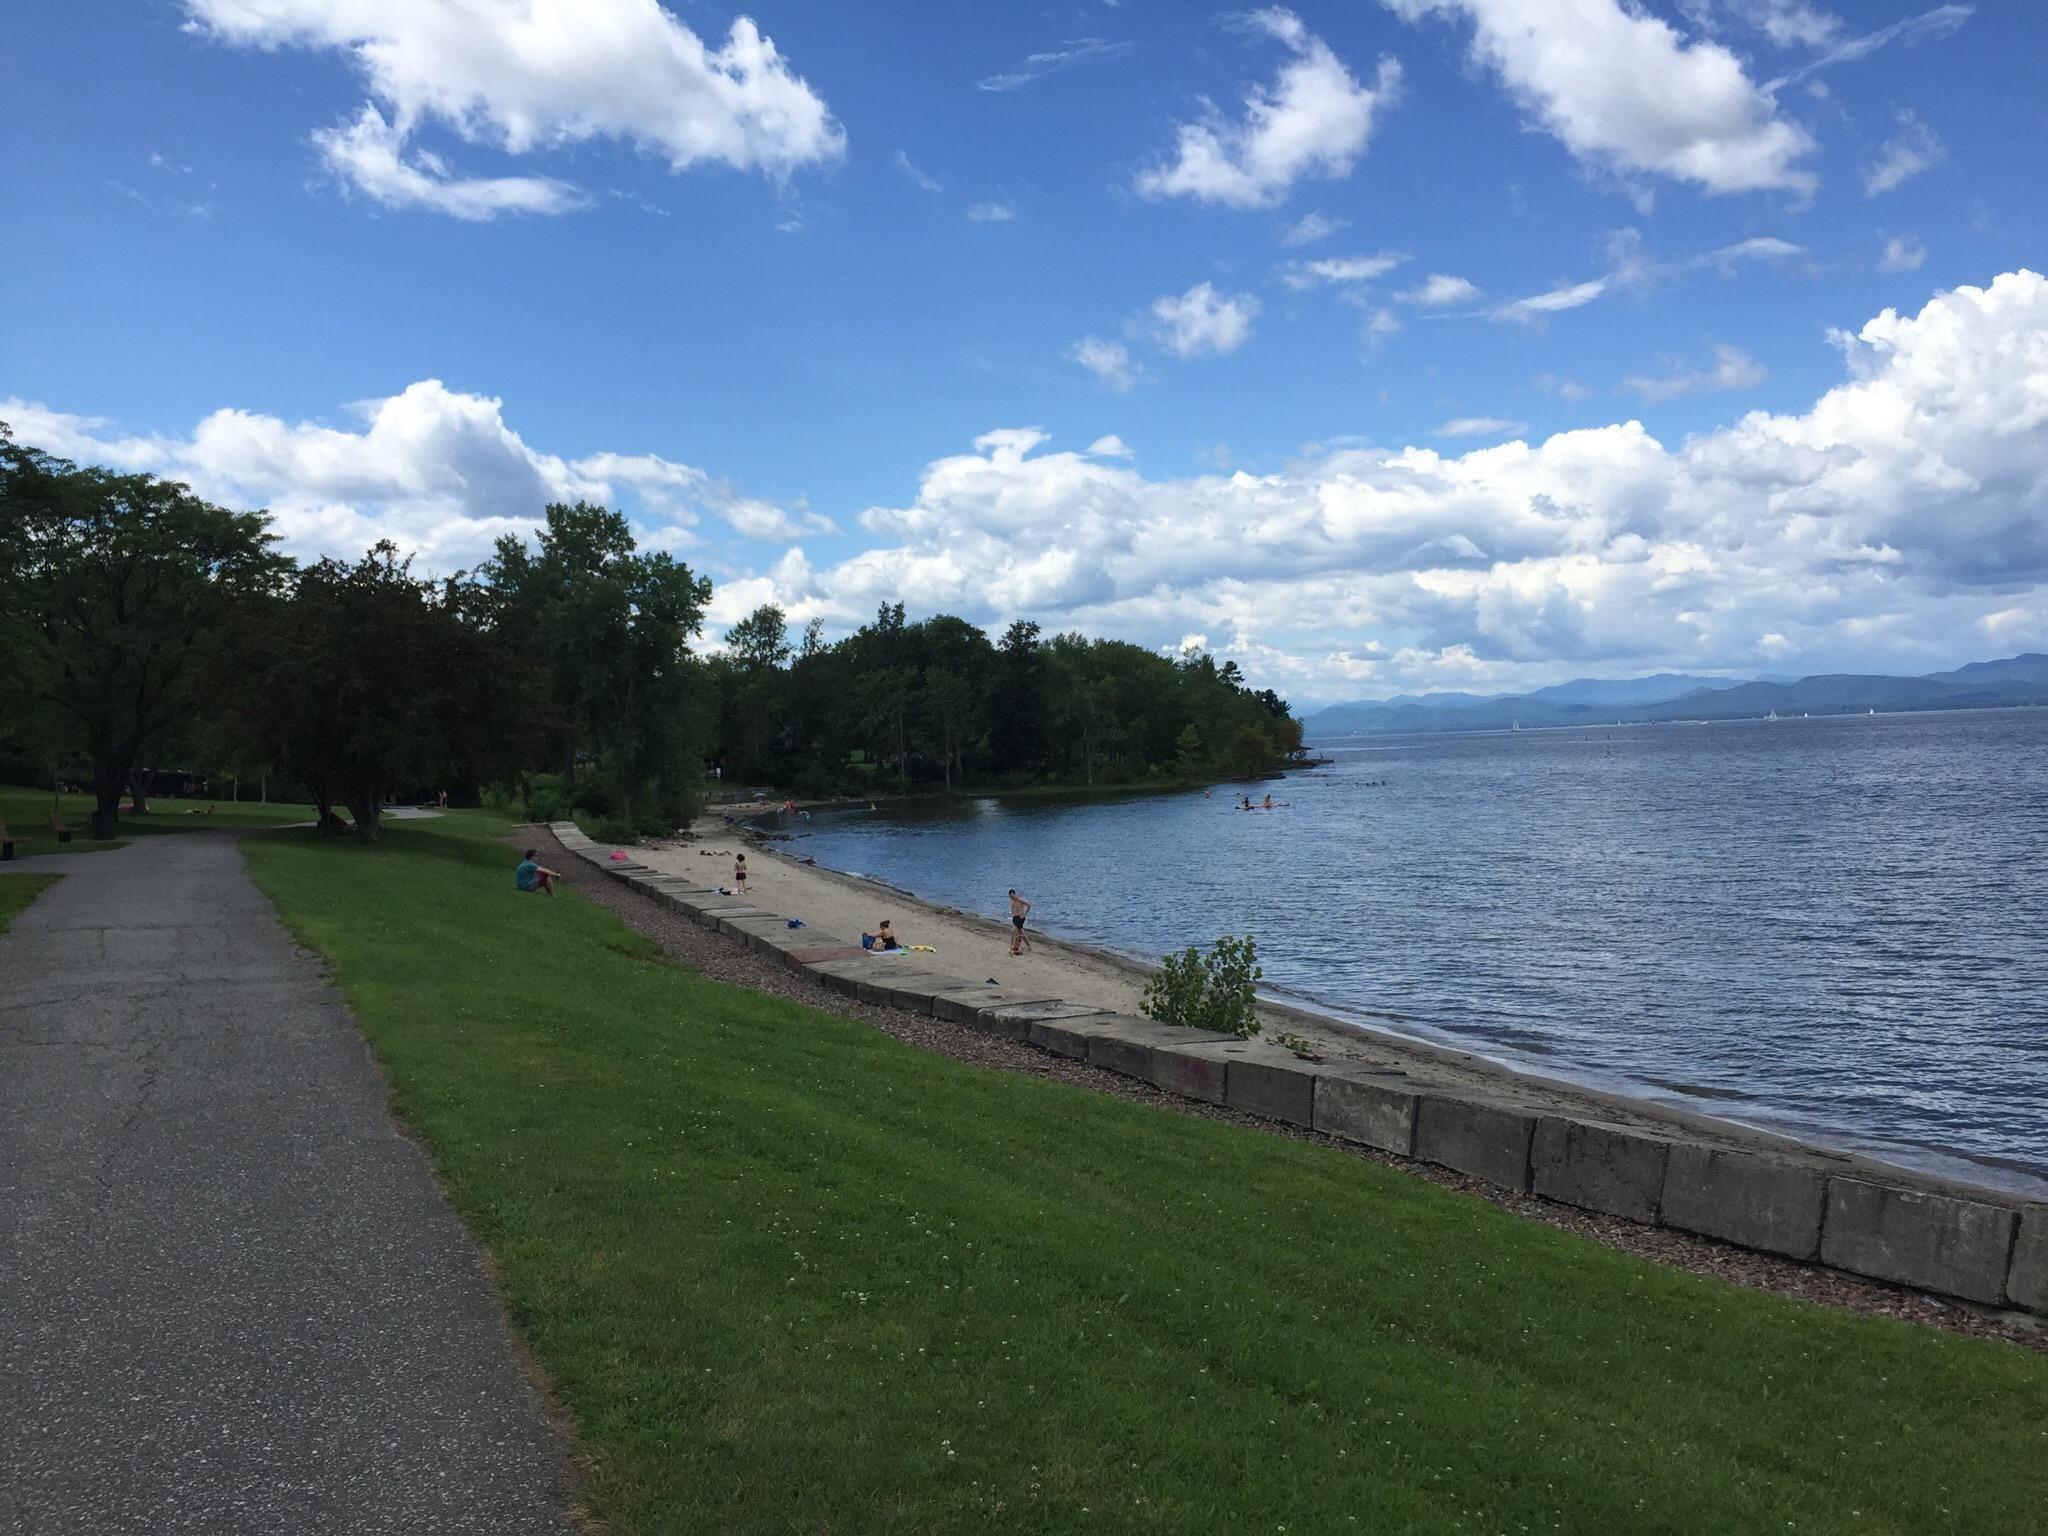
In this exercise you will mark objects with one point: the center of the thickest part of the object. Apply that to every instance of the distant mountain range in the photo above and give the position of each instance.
(1674, 696)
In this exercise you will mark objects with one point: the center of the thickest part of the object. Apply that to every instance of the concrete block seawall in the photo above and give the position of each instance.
(1974, 1245)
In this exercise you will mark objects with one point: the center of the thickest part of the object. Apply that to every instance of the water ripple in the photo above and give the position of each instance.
(1830, 926)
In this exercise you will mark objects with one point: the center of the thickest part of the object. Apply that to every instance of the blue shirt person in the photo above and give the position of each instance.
(530, 876)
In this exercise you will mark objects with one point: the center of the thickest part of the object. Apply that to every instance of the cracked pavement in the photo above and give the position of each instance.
(232, 1298)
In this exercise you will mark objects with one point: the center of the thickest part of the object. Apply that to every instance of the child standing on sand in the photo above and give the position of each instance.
(739, 873)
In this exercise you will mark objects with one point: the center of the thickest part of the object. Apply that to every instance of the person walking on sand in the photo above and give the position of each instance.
(739, 873)
(1019, 910)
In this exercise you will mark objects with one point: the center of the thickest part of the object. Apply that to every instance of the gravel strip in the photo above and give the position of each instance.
(720, 959)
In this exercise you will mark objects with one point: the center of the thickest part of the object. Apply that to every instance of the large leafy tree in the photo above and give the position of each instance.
(111, 585)
(1020, 714)
(613, 628)
(754, 698)
(366, 681)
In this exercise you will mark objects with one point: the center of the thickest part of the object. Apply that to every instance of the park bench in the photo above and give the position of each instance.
(61, 828)
(7, 842)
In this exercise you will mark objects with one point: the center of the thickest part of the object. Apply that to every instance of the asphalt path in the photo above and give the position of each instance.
(232, 1298)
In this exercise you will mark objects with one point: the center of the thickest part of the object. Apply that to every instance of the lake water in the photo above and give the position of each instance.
(1836, 928)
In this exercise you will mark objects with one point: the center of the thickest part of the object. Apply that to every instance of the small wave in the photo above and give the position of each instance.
(1697, 1090)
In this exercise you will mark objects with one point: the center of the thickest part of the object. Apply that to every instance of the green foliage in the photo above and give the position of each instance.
(735, 1230)
(606, 633)
(547, 798)
(111, 587)
(366, 681)
(135, 619)
(607, 829)
(937, 704)
(1217, 991)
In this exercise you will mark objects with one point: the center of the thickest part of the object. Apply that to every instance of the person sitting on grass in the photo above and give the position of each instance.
(530, 876)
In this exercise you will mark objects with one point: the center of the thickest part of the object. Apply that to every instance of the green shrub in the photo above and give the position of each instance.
(1216, 991)
(547, 798)
(607, 829)
(506, 801)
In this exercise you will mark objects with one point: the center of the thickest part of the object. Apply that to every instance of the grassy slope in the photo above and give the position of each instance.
(790, 1275)
(27, 814)
(17, 891)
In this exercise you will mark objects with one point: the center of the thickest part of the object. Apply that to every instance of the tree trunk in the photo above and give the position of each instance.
(109, 772)
(367, 806)
(139, 780)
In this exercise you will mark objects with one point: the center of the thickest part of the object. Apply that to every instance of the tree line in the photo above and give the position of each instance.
(937, 704)
(143, 627)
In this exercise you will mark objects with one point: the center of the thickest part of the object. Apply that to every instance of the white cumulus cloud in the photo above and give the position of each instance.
(1899, 521)
(1202, 321)
(370, 156)
(1314, 119)
(436, 470)
(1623, 91)
(524, 76)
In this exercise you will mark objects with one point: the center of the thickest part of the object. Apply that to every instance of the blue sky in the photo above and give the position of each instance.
(815, 311)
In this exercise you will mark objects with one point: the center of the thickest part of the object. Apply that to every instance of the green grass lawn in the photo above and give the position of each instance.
(789, 1275)
(17, 891)
(27, 814)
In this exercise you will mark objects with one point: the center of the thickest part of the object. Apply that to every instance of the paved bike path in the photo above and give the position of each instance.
(232, 1298)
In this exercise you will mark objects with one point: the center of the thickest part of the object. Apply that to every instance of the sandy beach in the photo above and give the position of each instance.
(977, 946)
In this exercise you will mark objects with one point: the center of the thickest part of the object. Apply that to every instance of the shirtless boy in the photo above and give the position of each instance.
(1019, 908)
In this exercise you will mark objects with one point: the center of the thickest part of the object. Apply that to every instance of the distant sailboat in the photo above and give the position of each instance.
(1772, 715)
